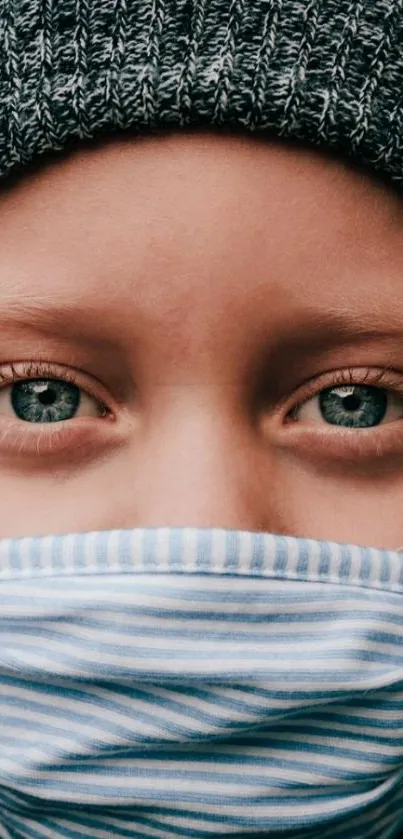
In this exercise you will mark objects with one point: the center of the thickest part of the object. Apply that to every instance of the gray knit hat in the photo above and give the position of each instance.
(327, 72)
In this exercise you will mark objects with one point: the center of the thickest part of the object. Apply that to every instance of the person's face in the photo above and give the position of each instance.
(205, 293)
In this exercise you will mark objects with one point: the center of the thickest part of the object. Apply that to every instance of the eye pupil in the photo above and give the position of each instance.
(351, 403)
(47, 397)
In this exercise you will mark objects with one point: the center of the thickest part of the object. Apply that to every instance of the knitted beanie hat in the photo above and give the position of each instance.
(326, 72)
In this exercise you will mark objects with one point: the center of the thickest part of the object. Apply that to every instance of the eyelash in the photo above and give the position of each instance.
(351, 446)
(346, 443)
(50, 438)
(44, 370)
(384, 379)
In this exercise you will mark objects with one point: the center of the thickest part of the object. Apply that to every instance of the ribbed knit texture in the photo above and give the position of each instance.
(328, 72)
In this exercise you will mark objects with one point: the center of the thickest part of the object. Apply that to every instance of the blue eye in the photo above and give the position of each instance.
(47, 401)
(352, 406)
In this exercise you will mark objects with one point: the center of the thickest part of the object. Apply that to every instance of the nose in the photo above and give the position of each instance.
(196, 465)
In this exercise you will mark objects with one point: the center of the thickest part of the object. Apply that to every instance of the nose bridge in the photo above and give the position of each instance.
(196, 463)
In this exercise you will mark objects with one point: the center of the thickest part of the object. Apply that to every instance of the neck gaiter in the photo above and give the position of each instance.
(172, 683)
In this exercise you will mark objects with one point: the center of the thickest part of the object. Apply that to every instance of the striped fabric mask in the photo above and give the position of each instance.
(172, 683)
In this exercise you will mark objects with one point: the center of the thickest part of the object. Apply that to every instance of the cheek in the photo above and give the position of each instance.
(362, 511)
(38, 506)
(213, 471)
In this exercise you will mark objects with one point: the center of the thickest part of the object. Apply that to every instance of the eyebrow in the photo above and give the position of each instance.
(82, 323)
(312, 329)
(323, 328)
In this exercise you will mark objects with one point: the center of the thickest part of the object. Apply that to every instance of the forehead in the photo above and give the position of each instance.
(198, 231)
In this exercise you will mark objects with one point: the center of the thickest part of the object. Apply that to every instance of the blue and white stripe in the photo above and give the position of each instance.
(199, 683)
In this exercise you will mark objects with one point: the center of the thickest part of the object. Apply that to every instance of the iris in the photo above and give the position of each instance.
(357, 406)
(45, 400)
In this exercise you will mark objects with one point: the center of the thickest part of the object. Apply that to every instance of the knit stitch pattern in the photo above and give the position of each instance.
(326, 72)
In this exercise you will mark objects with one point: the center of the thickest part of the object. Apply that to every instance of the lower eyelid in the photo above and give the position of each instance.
(59, 450)
(379, 448)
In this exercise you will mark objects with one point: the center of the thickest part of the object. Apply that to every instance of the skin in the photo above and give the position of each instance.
(202, 288)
